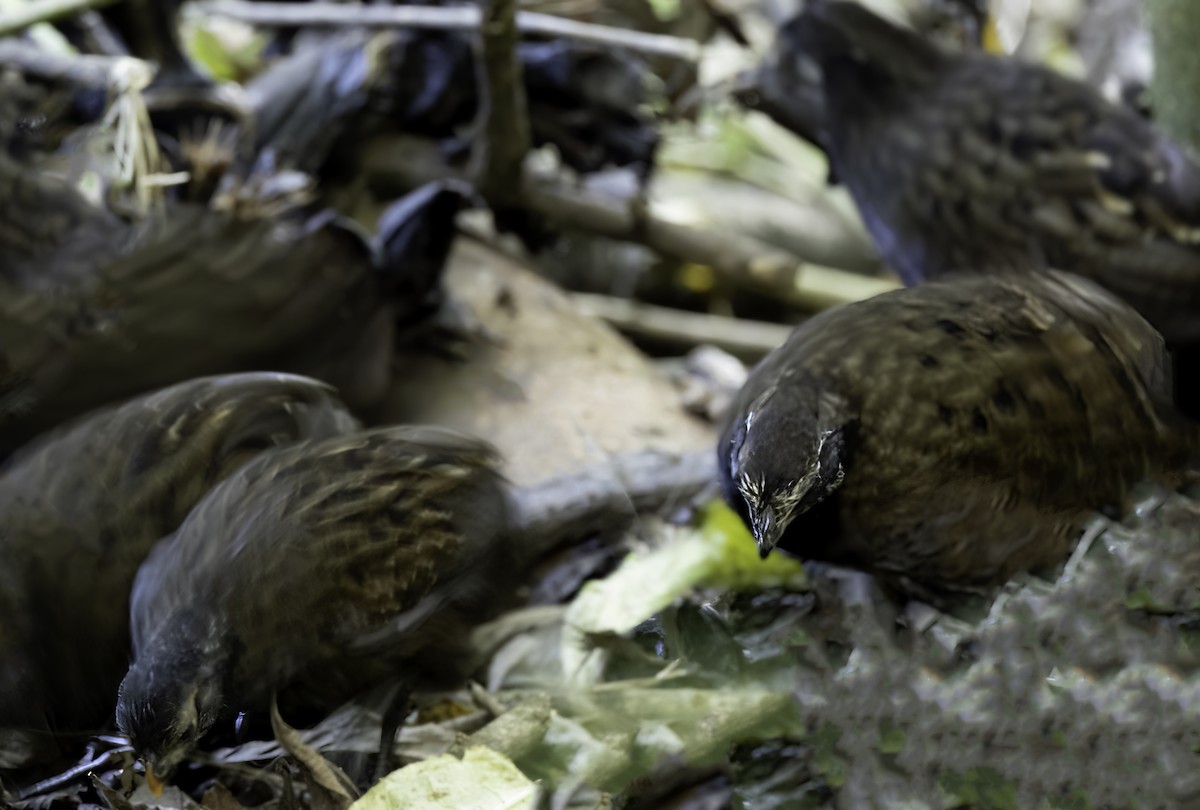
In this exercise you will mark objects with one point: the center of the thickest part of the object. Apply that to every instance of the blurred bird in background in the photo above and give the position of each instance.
(967, 161)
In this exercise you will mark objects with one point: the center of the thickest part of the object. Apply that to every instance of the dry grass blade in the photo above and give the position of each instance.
(141, 170)
(329, 784)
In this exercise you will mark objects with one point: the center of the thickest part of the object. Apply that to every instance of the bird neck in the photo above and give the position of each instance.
(814, 534)
(197, 645)
(863, 90)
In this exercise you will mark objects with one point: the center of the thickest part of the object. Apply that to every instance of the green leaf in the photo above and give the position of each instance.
(227, 58)
(891, 738)
(666, 10)
(720, 554)
(481, 780)
(982, 787)
(738, 565)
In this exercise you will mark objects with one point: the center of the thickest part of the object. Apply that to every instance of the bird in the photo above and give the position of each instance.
(973, 162)
(312, 572)
(83, 505)
(305, 292)
(951, 435)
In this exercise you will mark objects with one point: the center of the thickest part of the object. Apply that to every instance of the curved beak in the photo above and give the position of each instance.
(767, 530)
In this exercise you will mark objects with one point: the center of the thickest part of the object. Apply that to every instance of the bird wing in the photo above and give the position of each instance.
(1028, 373)
(1045, 165)
(972, 162)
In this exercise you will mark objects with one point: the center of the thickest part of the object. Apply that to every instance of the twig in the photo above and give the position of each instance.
(18, 19)
(71, 774)
(741, 261)
(83, 70)
(99, 35)
(746, 339)
(466, 18)
(607, 496)
(397, 164)
(508, 138)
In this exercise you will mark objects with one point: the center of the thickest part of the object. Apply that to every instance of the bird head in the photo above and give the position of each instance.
(166, 704)
(785, 456)
(856, 47)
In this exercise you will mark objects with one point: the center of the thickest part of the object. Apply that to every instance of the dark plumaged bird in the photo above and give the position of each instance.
(315, 570)
(976, 163)
(950, 435)
(304, 292)
(82, 508)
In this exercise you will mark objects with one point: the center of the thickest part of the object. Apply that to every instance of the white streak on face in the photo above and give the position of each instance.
(752, 491)
(783, 500)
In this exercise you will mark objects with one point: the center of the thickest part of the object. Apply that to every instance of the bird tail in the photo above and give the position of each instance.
(414, 236)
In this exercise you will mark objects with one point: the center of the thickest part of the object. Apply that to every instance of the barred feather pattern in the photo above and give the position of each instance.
(969, 162)
(989, 416)
(84, 504)
(282, 568)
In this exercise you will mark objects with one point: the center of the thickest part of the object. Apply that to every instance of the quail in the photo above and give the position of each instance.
(311, 572)
(950, 435)
(82, 508)
(978, 163)
(302, 292)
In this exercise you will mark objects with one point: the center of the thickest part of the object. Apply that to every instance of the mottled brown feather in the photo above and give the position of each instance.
(84, 505)
(979, 163)
(318, 563)
(990, 417)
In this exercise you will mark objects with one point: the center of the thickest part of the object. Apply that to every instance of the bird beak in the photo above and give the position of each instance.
(767, 530)
(153, 782)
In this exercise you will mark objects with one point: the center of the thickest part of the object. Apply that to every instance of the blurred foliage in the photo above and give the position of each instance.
(227, 52)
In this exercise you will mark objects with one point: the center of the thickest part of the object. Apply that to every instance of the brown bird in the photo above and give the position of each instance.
(973, 162)
(82, 508)
(300, 291)
(314, 570)
(950, 435)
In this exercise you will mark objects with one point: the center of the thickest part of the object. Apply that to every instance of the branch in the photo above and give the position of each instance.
(607, 496)
(742, 261)
(508, 138)
(746, 339)
(18, 19)
(396, 164)
(463, 18)
(81, 70)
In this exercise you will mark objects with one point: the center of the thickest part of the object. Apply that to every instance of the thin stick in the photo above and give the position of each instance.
(467, 18)
(743, 261)
(398, 163)
(18, 19)
(746, 339)
(71, 774)
(508, 134)
(607, 496)
(81, 69)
